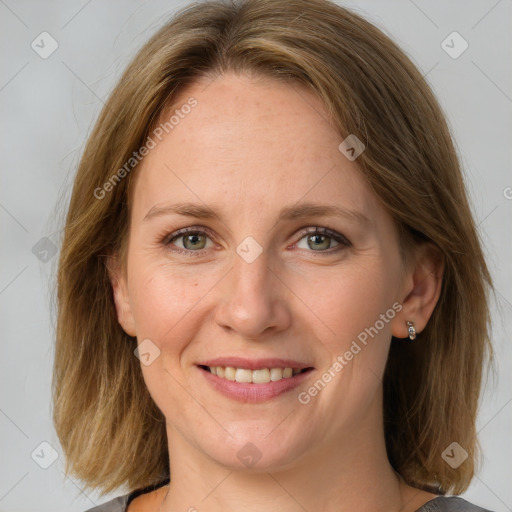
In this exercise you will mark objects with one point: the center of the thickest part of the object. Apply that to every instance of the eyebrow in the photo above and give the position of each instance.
(302, 210)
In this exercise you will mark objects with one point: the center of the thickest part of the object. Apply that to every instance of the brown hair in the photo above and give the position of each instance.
(110, 429)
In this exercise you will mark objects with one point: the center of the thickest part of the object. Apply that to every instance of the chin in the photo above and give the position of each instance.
(257, 449)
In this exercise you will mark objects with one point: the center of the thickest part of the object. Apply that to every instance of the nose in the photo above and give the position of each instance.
(254, 302)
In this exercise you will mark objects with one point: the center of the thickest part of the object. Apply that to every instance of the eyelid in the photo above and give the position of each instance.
(185, 231)
(340, 238)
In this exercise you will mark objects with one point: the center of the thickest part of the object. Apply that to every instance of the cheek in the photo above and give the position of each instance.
(159, 301)
(166, 300)
(349, 308)
(166, 304)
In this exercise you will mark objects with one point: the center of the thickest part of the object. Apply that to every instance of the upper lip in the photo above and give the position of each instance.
(254, 364)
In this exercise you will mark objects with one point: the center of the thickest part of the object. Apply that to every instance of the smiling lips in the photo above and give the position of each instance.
(253, 380)
(257, 371)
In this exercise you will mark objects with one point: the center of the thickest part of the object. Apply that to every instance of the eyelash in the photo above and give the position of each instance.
(342, 240)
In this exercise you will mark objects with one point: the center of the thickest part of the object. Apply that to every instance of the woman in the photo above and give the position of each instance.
(271, 288)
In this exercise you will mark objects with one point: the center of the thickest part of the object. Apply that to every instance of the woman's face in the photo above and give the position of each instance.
(255, 169)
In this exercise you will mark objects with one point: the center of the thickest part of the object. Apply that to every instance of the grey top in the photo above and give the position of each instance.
(439, 504)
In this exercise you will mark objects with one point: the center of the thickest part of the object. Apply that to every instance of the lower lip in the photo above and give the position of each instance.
(249, 392)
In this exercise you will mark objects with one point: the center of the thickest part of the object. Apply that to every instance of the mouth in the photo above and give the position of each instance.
(258, 376)
(253, 381)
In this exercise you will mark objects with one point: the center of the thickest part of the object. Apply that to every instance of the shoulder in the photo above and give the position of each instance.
(450, 504)
(118, 504)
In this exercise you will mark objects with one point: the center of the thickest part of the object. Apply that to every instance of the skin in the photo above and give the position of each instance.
(250, 147)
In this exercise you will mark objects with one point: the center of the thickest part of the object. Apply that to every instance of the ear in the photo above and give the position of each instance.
(422, 288)
(119, 284)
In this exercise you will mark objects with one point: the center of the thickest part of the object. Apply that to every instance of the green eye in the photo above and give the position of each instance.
(194, 241)
(322, 239)
(318, 242)
(190, 240)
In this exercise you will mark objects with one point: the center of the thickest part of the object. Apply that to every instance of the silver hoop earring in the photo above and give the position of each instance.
(412, 331)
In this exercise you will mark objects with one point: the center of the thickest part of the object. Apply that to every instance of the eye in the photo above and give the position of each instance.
(316, 239)
(321, 239)
(189, 240)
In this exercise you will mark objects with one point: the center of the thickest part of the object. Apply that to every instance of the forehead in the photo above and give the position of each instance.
(249, 143)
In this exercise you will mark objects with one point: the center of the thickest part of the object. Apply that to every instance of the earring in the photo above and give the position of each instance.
(412, 330)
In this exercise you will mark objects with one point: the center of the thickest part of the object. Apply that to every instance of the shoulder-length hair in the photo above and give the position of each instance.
(111, 431)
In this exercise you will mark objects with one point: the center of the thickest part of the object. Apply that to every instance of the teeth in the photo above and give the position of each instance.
(262, 376)
(276, 374)
(229, 373)
(243, 375)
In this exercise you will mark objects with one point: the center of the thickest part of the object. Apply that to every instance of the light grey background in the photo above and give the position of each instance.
(47, 110)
